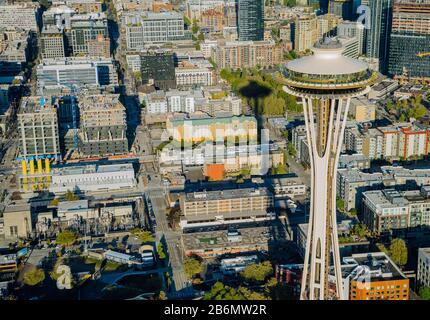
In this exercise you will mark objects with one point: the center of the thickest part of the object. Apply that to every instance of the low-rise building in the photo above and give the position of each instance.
(237, 264)
(210, 244)
(18, 222)
(226, 207)
(92, 177)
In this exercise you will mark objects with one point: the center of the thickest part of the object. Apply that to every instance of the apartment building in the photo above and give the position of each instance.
(373, 276)
(190, 74)
(38, 128)
(226, 206)
(143, 28)
(81, 6)
(52, 42)
(87, 28)
(198, 128)
(102, 126)
(423, 267)
(246, 54)
(21, 15)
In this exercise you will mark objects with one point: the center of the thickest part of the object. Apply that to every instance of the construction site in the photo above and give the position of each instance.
(101, 130)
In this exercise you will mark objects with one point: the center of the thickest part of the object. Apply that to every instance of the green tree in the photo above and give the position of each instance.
(425, 293)
(340, 203)
(34, 277)
(142, 235)
(399, 251)
(66, 238)
(360, 230)
(187, 21)
(195, 27)
(160, 251)
(192, 267)
(70, 196)
(257, 272)
(353, 212)
(162, 295)
(221, 292)
(291, 149)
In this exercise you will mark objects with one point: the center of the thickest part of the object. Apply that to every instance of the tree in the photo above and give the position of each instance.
(66, 238)
(162, 295)
(425, 293)
(221, 292)
(399, 251)
(340, 203)
(16, 195)
(160, 251)
(192, 267)
(144, 236)
(34, 277)
(187, 21)
(291, 149)
(70, 196)
(257, 272)
(360, 230)
(195, 27)
(353, 212)
(54, 202)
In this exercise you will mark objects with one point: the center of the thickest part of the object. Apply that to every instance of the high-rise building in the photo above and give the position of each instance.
(246, 54)
(86, 28)
(250, 20)
(52, 42)
(326, 82)
(378, 35)
(143, 28)
(102, 126)
(158, 68)
(38, 129)
(410, 38)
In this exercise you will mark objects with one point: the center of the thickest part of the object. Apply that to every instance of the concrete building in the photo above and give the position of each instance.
(52, 42)
(20, 15)
(210, 244)
(194, 74)
(373, 276)
(226, 207)
(423, 268)
(143, 28)
(102, 126)
(85, 28)
(81, 6)
(58, 73)
(246, 54)
(385, 210)
(390, 209)
(199, 128)
(363, 110)
(92, 178)
(38, 129)
(17, 221)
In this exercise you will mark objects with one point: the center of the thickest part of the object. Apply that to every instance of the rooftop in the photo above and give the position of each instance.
(226, 194)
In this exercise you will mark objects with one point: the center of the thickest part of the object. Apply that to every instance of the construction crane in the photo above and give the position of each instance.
(423, 54)
(74, 89)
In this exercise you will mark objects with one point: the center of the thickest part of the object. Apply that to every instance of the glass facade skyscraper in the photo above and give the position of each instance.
(410, 38)
(378, 35)
(250, 20)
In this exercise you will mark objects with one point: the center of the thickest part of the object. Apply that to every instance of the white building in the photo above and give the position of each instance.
(143, 27)
(88, 178)
(423, 269)
(194, 74)
(19, 16)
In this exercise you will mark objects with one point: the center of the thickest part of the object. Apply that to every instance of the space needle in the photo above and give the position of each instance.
(325, 81)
